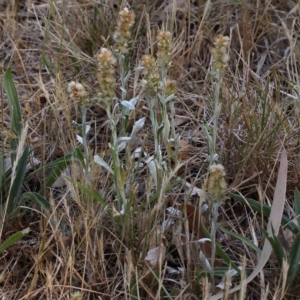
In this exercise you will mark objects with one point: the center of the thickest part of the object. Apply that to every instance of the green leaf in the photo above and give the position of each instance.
(294, 262)
(259, 207)
(276, 246)
(80, 156)
(13, 239)
(241, 238)
(220, 252)
(92, 194)
(160, 129)
(297, 205)
(15, 111)
(168, 188)
(48, 64)
(67, 159)
(13, 201)
(37, 198)
(86, 190)
(2, 169)
(58, 166)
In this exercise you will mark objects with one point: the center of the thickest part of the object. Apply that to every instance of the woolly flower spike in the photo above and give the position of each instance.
(148, 63)
(152, 79)
(164, 48)
(220, 56)
(77, 92)
(122, 33)
(217, 184)
(105, 74)
(170, 87)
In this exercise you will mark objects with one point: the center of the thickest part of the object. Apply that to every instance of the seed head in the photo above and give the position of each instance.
(170, 87)
(148, 63)
(122, 34)
(77, 92)
(105, 74)
(216, 184)
(219, 53)
(164, 40)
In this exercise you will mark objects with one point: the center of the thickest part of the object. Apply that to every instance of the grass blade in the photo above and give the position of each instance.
(16, 185)
(241, 238)
(220, 252)
(37, 198)
(13, 239)
(258, 207)
(15, 112)
(277, 248)
(297, 206)
(273, 224)
(294, 262)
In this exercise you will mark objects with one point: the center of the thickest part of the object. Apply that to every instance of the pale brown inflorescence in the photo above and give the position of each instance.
(217, 183)
(148, 63)
(164, 44)
(122, 34)
(77, 92)
(152, 79)
(105, 74)
(219, 53)
(170, 87)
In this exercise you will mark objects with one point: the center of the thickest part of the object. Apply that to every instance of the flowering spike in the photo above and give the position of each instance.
(105, 74)
(77, 92)
(219, 52)
(217, 184)
(164, 40)
(122, 34)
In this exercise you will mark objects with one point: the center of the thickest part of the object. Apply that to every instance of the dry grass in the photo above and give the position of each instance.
(79, 249)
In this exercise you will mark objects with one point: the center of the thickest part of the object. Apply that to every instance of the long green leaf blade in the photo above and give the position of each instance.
(297, 205)
(37, 198)
(241, 238)
(13, 239)
(276, 246)
(294, 262)
(220, 251)
(17, 183)
(15, 111)
(258, 207)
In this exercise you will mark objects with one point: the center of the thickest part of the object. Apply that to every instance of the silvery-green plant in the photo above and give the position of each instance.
(219, 63)
(122, 38)
(118, 110)
(160, 95)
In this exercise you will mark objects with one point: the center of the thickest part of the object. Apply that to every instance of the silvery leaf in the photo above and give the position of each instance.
(138, 125)
(134, 100)
(87, 128)
(79, 139)
(123, 90)
(127, 76)
(121, 146)
(103, 164)
(127, 104)
(170, 97)
(152, 168)
(124, 139)
(131, 103)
